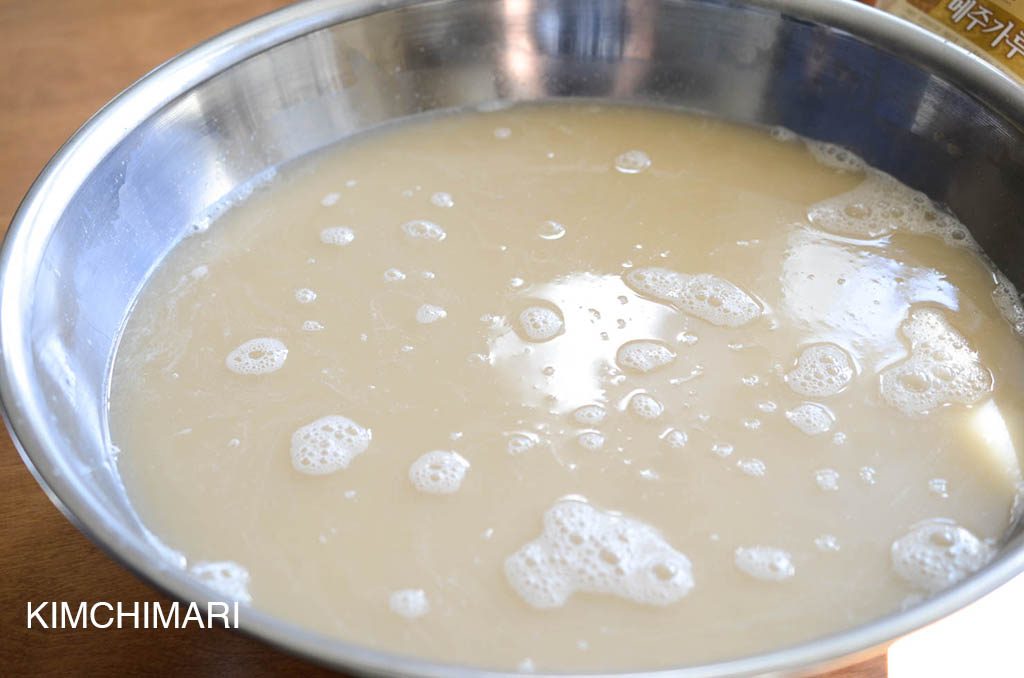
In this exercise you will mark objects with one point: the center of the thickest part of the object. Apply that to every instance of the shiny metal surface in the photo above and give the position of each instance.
(152, 163)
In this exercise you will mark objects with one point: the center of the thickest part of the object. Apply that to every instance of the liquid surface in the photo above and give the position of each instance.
(575, 387)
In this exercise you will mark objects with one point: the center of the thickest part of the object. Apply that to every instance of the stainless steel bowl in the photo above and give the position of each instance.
(125, 188)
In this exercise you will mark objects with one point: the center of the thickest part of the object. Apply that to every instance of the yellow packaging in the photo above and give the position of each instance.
(993, 29)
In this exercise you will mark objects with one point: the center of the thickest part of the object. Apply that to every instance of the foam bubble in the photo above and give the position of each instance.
(644, 355)
(428, 313)
(881, 205)
(312, 326)
(591, 440)
(337, 235)
(551, 230)
(589, 415)
(675, 438)
(705, 296)
(941, 369)
(330, 199)
(517, 443)
(765, 563)
(827, 543)
(937, 553)
(835, 157)
(226, 577)
(409, 603)
(827, 479)
(632, 162)
(305, 295)
(1008, 302)
(442, 200)
(782, 134)
(257, 356)
(502, 133)
(821, 370)
(540, 323)
(584, 549)
(438, 472)
(646, 406)
(328, 445)
(421, 229)
(939, 487)
(393, 275)
(811, 418)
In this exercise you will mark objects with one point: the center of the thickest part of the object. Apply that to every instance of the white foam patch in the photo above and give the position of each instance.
(589, 415)
(632, 162)
(312, 326)
(518, 443)
(428, 313)
(409, 603)
(881, 205)
(765, 563)
(393, 275)
(421, 229)
(540, 323)
(675, 438)
(937, 553)
(337, 235)
(328, 444)
(1008, 302)
(755, 468)
(257, 356)
(644, 355)
(827, 543)
(836, 157)
(226, 577)
(646, 406)
(705, 296)
(330, 199)
(821, 370)
(304, 295)
(811, 418)
(584, 549)
(438, 472)
(941, 369)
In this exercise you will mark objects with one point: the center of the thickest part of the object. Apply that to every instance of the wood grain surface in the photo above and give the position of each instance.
(60, 60)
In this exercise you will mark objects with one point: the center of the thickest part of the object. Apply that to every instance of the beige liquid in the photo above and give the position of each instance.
(206, 451)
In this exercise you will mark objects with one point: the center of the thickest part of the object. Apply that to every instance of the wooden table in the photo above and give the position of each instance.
(60, 60)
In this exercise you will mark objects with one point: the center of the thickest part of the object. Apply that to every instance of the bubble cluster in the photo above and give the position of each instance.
(941, 369)
(811, 418)
(409, 603)
(421, 229)
(705, 296)
(632, 162)
(589, 415)
(937, 553)
(765, 563)
(438, 472)
(827, 543)
(328, 445)
(584, 549)
(540, 323)
(312, 325)
(821, 370)
(881, 205)
(646, 406)
(675, 438)
(227, 578)
(442, 200)
(644, 355)
(518, 443)
(428, 313)
(337, 235)
(591, 440)
(305, 295)
(827, 479)
(836, 157)
(1008, 303)
(752, 467)
(330, 199)
(393, 275)
(257, 356)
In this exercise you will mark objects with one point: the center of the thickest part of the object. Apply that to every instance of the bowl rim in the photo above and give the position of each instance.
(40, 450)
